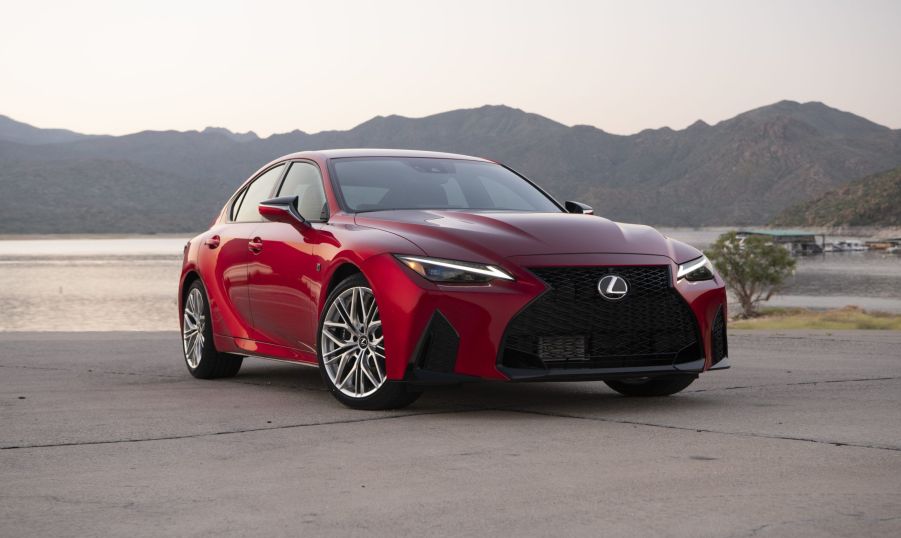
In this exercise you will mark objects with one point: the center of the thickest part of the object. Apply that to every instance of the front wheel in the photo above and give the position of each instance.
(351, 350)
(651, 386)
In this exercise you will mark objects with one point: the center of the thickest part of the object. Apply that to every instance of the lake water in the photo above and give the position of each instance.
(90, 284)
(101, 284)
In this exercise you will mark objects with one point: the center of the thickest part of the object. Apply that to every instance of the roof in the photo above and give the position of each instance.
(377, 152)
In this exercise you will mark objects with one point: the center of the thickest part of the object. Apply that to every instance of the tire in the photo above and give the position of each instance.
(654, 386)
(201, 357)
(351, 350)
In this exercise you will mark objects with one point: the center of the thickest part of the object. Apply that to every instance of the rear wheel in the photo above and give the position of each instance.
(201, 357)
(651, 386)
(352, 350)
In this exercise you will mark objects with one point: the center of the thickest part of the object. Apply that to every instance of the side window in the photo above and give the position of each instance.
(303, 180)
(233, 213)
(259, 190)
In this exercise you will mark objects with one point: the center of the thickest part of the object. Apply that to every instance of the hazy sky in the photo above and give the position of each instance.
(123, 66)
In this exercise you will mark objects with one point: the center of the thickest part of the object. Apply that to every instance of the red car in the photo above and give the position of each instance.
(395, 270)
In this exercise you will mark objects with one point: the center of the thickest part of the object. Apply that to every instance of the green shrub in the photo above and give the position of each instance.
(753, 267)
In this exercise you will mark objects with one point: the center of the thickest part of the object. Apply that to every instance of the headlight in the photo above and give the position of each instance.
(695, 270)
(452, 271)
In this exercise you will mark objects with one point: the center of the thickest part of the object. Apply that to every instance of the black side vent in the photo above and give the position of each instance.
(438, 347)
(718, 337)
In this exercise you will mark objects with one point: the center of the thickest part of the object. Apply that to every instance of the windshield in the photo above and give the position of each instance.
(383, 183)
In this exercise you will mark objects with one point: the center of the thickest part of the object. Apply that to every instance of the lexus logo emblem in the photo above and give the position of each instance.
(613, 287)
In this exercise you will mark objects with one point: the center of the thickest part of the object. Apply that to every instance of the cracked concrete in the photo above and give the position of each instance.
(705, 430)
(106, 434)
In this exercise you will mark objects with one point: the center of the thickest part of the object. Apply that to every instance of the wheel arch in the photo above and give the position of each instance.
(189, 278)
(344, 270)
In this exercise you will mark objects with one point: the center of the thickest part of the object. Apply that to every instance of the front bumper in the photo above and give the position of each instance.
(451, 333)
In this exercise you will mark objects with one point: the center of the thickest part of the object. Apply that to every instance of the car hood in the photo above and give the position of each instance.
(486, 235)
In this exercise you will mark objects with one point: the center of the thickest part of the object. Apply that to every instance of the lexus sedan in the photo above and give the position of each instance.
(395, 270)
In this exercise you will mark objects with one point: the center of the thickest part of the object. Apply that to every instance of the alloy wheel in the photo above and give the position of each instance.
(353, 348)
(193, 326)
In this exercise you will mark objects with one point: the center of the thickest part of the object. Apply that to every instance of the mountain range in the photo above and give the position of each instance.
(741, 171)
(871, 201)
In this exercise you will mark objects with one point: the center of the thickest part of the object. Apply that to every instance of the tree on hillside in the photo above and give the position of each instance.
(753, 267)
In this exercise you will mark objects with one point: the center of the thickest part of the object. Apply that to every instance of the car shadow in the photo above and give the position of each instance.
(279, 374)
(570, 398)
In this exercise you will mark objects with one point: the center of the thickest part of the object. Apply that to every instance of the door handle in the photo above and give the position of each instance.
(212, 242)
(255, 245)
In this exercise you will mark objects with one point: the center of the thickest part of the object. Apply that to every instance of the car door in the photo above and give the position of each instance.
(282, 273)
(227, 252)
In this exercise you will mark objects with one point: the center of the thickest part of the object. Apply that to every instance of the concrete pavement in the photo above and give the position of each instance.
(107, 434)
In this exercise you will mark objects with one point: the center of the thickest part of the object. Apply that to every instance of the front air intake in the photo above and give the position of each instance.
(718, 342)
(438, 348)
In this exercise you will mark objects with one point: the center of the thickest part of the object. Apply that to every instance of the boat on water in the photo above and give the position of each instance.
(846, 246)
(798, 243)
(891, 245)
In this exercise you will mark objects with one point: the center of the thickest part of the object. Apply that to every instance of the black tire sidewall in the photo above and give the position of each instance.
(212, 363)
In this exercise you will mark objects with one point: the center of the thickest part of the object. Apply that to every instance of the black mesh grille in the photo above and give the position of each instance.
(718, 337)
(571, 325)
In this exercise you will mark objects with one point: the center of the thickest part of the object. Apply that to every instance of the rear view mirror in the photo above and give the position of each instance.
(282, 209)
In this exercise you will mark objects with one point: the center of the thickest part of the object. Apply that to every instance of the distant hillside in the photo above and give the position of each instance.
(95, 196)
(237, 137)
(744, 170)
(15, 131)
(871, 201)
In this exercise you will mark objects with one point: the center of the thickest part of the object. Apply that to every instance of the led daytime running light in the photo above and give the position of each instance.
(486, 270)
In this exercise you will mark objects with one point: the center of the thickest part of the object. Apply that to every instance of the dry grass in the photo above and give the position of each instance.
(849, 317)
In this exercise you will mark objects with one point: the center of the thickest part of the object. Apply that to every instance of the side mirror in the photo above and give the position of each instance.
(282, 209)
(578, 207)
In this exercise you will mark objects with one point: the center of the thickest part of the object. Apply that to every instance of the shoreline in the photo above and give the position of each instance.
(831, 319)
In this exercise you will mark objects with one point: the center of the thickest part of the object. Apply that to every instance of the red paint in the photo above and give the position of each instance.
(267, 281)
